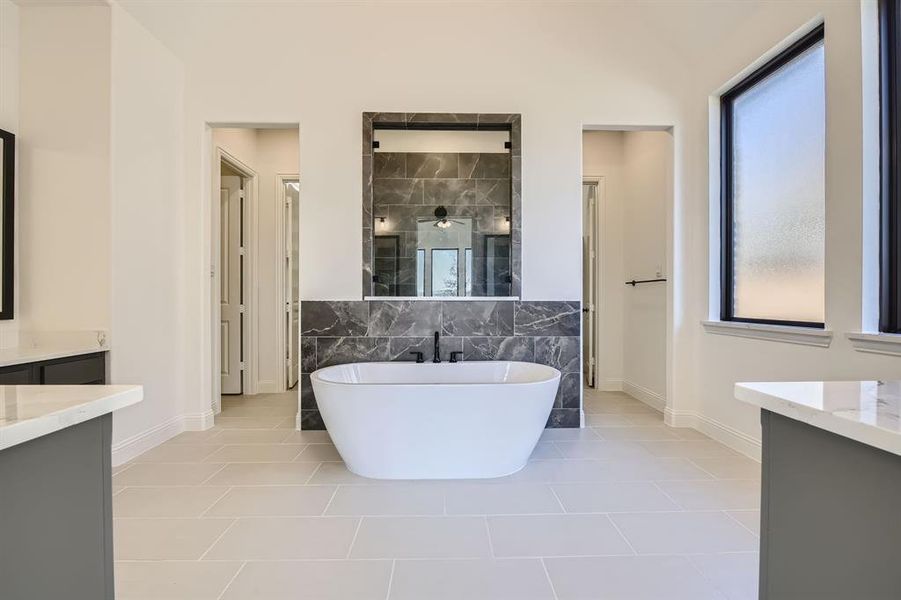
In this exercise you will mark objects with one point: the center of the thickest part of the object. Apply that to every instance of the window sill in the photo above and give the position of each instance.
(876, 343)
(804, 336)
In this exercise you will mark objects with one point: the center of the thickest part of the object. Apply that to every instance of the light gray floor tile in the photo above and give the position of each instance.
(155, 474)
(422, 537)
(500, 499)
(165, 539)
(634, 434)
(735, 575)
(555, 535)
(396, 499)
(729, 467)
(628, 578)
(629, 496)
(273, 501)
(684, 532)
(285, 538)
(319, 580)
(173, 580)
(288, 473)
(189, 501)
(716, 494)
(748, 518)
(484, 579)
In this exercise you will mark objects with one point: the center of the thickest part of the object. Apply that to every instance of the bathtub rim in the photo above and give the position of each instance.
(554, 374)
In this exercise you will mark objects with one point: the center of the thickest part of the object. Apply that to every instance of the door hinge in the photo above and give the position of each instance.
(241, 194)
(241, 251)
(591, 361)
(241, 365)
(241, 309)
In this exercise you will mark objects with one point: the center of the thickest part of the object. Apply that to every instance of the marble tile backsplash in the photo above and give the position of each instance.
(337, 332)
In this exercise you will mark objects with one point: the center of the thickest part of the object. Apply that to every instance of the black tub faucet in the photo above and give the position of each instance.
(437, 358)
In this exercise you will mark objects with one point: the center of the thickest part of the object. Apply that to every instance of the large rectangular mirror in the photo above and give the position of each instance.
(7, 221)
(441, 206)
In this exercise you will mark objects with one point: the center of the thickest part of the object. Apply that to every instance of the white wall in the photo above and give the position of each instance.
(636, 167)
(64, 174)
(9, 121)
(148, 264)
(269, 153)
(602, 156)
(648, 184)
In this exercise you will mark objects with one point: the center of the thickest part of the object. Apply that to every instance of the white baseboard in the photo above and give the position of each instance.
(610, 385)
(724, 434)
(643, 394)
(297, 421)
(199, 421)
(140, 443)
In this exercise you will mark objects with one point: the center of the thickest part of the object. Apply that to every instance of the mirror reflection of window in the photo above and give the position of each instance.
(420, 272)
(445, 272)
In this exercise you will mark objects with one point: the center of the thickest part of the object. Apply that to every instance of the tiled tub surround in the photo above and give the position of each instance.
(338, 332)
(409, 187)
(475, 121)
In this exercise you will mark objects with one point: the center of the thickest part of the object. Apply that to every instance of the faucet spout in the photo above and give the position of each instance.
(437, 358)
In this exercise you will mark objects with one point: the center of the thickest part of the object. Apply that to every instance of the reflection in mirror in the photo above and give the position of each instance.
(7, 221)
(441, 206)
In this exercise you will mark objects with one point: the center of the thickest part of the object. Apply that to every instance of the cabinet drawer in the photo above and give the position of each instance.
(82, 370)
(19, 375)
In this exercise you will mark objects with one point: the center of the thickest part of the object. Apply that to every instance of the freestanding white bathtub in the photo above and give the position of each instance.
(402, 420)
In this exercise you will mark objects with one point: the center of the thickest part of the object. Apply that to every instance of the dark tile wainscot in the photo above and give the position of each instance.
(337, 332)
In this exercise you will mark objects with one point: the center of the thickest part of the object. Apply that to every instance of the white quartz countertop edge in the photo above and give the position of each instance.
(23, 355)
(89, 402)
(766, 396)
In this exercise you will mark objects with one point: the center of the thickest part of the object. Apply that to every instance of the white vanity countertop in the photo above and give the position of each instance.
(865, 411)
(49, 351)
(30, 411)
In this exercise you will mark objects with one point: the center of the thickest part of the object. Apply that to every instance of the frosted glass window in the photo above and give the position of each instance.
(778, 194)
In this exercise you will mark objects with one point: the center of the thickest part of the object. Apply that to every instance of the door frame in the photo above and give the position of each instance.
(250, 217)
(599, 288)
(282, 295)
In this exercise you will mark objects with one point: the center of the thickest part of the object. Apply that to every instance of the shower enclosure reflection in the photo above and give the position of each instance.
(441, 212)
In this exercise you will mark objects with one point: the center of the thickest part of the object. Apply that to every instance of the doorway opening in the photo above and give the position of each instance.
(627, 198)
(254, 257)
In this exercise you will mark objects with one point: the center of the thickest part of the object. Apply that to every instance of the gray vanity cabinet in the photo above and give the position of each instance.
(71, 370)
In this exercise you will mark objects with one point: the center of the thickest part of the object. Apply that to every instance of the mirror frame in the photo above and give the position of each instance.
(7, 209)
(511, 122)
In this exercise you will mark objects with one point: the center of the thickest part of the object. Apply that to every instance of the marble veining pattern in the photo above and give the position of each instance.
(865, 411)
(486, 170)
(381, 330)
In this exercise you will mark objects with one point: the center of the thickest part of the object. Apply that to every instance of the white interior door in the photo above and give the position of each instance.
(589, 283)
(292, 289)
(230, 279)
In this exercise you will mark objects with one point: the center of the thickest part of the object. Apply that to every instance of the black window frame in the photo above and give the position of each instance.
(727, 100)
(890, 166)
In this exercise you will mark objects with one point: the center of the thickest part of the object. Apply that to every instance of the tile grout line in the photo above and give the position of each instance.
(215, 502)
(391, 578)
(354, 538)
(313, 474)
(622, 535)
(231, 581)
(547, 574)
(726, 512)
(656, 484)
(219, 537)
(556, 497)
(214, 473)
(329, 503)
(488, 532)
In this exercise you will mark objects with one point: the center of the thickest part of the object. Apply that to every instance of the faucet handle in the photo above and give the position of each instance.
(419, 357)
(454, 354)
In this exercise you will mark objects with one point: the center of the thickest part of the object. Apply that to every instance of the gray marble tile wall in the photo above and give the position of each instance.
(337, 332)
(470, 170)
(409, 187)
